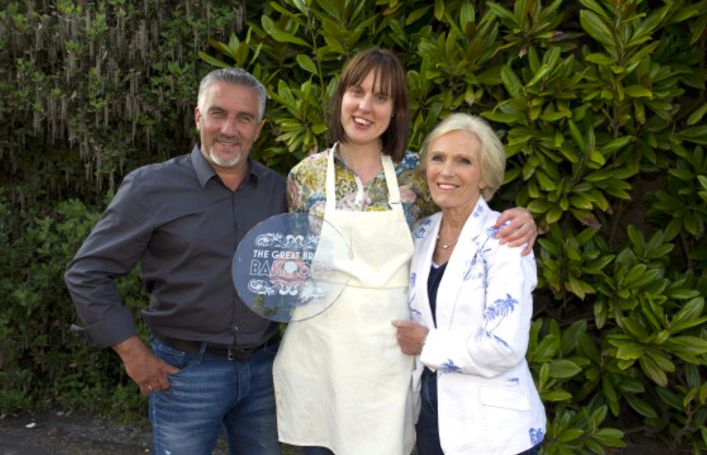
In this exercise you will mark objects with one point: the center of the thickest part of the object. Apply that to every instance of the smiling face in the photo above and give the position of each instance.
(227, 120)
(366, 109)
(453, 171)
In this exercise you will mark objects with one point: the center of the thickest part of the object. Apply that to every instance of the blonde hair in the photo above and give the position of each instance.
(491, 153)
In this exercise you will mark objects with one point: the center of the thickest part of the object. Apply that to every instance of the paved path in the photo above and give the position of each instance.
(54, 433)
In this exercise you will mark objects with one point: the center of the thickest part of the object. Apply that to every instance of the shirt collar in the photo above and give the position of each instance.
(204, 171)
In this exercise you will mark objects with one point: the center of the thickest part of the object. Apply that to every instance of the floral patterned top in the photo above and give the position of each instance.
(307, 180)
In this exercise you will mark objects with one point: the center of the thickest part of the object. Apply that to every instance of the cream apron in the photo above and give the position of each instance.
(340, 379)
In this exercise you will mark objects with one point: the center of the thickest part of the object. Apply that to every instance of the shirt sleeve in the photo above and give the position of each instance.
(111, 250)
(296, 197)
(501, 340)
(424, 202)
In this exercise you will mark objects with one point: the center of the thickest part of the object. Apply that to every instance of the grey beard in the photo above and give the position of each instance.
(224, 163)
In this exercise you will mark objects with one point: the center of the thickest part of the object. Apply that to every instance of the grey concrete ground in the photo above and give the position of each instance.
(54, 433)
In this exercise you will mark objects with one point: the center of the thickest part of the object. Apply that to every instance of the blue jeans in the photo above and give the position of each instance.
(212, 392)
(427, 427)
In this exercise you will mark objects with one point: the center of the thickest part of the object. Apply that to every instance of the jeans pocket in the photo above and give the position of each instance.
(178, 359)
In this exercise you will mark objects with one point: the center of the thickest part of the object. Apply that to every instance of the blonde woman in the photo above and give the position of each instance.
(471, 305)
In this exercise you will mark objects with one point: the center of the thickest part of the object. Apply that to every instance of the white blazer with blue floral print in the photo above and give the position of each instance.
(487, 401)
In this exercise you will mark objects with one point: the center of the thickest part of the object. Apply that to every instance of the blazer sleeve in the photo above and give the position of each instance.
(494, 339)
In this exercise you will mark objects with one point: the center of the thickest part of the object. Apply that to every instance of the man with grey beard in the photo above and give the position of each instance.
(210, 361)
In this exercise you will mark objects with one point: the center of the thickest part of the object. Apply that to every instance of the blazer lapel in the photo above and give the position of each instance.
(458, 272)
(425, 237)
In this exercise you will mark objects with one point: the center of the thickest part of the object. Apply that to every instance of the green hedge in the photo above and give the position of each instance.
(89, 90)
(601, 106)
(92, 89)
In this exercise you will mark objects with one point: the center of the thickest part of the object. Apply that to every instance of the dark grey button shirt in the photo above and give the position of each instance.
(183, 225)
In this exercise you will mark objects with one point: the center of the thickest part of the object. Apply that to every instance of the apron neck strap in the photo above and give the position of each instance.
(391, 180)
(330, 190)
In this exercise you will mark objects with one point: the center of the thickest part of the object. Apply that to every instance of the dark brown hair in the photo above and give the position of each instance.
(390, 75)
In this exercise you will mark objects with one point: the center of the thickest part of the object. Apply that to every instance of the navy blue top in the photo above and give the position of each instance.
(436, 273)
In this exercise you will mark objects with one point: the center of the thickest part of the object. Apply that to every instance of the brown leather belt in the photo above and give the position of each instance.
(231, 353)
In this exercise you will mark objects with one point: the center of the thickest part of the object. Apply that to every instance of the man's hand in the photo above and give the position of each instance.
(143, 367)
(411, 336)
(521, 229)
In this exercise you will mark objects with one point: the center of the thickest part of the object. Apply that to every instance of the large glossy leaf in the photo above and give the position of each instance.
(306, 63)
(597, 28)
(281, 35)
(561, 368)
(653, 371)
(640, 406)
(610, 437)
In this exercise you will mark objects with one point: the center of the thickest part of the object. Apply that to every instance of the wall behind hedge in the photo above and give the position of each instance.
(600, 105)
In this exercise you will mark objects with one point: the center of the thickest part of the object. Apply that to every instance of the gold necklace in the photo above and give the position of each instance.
(445, 246)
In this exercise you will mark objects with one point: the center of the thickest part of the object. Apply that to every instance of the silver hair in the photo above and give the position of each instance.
(236, 76)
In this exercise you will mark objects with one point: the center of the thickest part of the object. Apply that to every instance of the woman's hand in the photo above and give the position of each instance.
(411, 336)
(520, 229)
